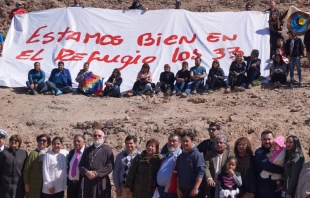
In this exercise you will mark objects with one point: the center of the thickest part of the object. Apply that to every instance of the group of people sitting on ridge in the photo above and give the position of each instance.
(183, 168)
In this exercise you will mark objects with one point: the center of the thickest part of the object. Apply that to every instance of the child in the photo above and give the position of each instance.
(229, 180)
(276, 156)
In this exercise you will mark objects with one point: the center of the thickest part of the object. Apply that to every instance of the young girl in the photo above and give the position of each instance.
(55, 171)
(276, 156)
(229, 180)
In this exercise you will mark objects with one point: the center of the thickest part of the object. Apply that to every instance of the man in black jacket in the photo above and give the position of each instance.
(307, 43)
(266, 187)
(74, 177)
(253, 67)
(295, 50)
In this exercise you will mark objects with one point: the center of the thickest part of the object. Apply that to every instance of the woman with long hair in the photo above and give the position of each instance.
(113, 84)
(245, 166)
(303, 186)
(141, 178)
(294, 159)
(12, 162)
(237, 72)
(216, 76)
(278, 71)
(33, 176)
(144, 80)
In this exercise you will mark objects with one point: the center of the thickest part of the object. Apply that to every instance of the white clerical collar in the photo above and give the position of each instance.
(2, 148)
(98, 145)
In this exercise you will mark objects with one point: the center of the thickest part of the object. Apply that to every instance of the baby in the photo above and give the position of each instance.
(276, 156)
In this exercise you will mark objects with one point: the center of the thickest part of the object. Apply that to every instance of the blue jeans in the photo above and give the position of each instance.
(193, 85)
(295, 60)
(251, 75)
(179, 86)
(147, 87)
(56, 87)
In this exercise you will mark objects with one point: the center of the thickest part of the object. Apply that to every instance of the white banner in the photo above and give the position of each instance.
(111, 39)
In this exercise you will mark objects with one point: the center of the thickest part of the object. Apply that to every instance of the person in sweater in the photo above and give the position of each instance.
(295, 50)
(166, 176)
(36, 79)
(278, 71)
(60, 80)
(74, 158)
(113, 84)
(144, 80)
(141, 178)
(122, 165)
(197, 75)
(266, 187)
(3, 136)
(181, 79)
(275, 27)
(294, 160)
(229, 180)
(166, 81)
(245, 166)
(215, 161)
(237, 71)
(216, 77)
(80, 77)
(208, 145)
(33, 173)
(190, 168)
(12, 163)
(95, 166)
(253, 67)
(55, 170)
(303, 186)
(276, 156)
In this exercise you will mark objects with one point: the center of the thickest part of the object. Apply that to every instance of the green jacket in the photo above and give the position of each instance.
(141, 178)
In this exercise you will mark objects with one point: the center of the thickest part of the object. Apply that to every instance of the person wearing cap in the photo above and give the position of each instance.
(60, 80)
(137, 5)
(17, 10)
(253, 67)
(12, 162)
(294, 48)
(36, 78)
(178, 4)
(3, 137)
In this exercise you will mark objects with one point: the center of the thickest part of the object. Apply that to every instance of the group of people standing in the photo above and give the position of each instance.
(179, 170)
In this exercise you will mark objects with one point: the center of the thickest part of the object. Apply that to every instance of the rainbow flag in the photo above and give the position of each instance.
(92, 84)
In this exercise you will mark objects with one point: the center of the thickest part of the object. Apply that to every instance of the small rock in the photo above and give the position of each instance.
(294, 122)
(294, 109)
(29, 123)
(250, 131)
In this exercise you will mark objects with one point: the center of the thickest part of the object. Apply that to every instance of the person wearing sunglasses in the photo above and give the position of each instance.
(33, 177)
(95, 166)
(208, 144)
(12, 161)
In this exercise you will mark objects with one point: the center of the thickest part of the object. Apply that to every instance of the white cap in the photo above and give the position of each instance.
(3, 133)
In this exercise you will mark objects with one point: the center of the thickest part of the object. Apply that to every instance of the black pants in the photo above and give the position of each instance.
(281, 77)
(216, 82)
(56, 195)
(73, 190)
(235, 80)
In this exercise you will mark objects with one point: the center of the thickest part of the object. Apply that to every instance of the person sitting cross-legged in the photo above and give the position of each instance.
(253, 67)
(113, 84)
(36, 78)
(60, 80)
(237, 73)
(181, 78)
(144, 79)
(80, 77)
(216, 77)
(166, 81)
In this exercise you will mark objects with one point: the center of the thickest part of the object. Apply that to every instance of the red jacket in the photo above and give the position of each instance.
(16, 11)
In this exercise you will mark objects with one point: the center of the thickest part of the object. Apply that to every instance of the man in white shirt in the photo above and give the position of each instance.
(74, 157)
(3, 137)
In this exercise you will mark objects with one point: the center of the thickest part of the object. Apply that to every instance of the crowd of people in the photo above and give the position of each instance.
(181, 169)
